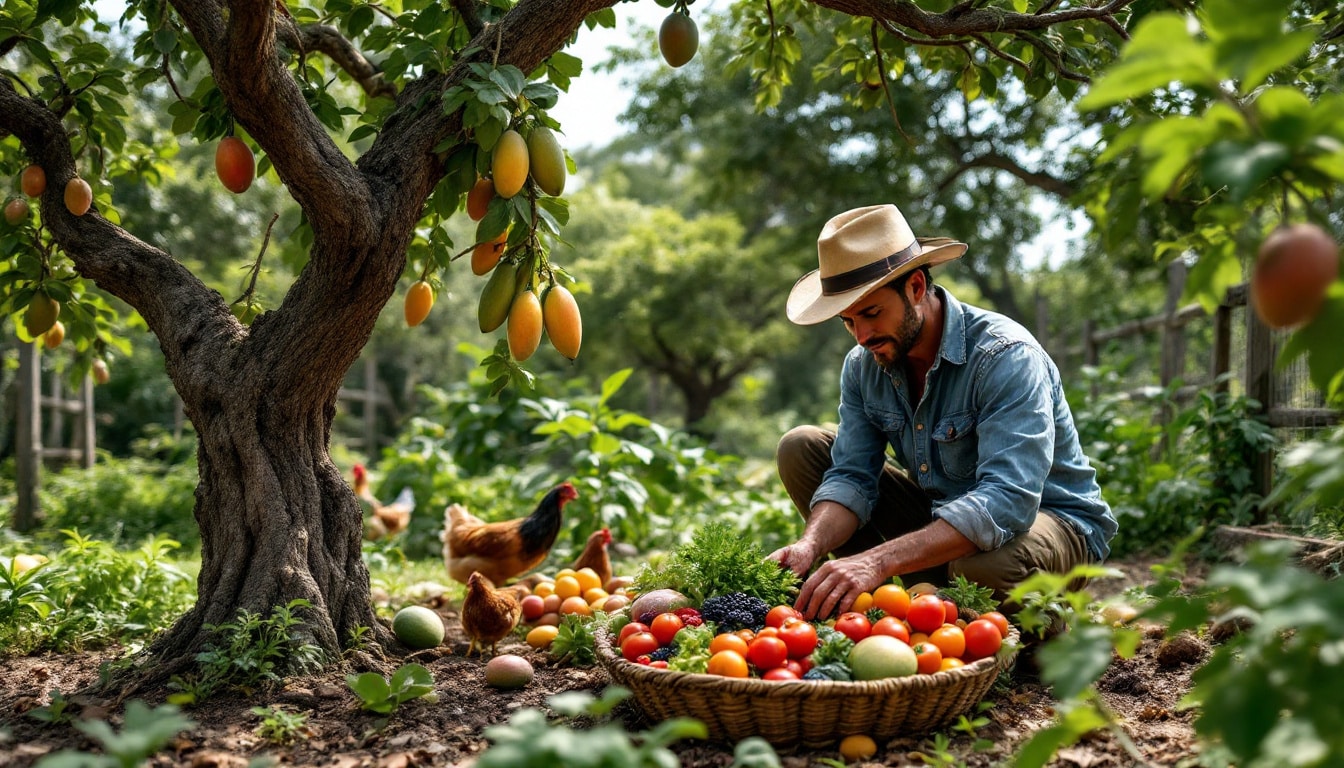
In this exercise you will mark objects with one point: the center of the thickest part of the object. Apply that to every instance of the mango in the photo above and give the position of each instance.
(497, 297)
(564, 325)
(509, 164)
(41, 315)
(524, 330)
(547, 160)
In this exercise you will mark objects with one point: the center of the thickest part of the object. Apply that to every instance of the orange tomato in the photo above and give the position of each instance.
(727, 641)
(951, 664)
(949, 639)
(998, 620)
(929, 658)
(862, 603)
(892, 599)
(728, 664)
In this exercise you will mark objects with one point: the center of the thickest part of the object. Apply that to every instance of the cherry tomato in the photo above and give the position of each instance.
(951, 664)
(746, 634)
(638, 644)
(950, 640)
(728, 664)
(665, 626)
(659, 664)
(854, 625)
(928, 657)
(949, 612)
(796, 667)
(982, 639)
(779, 613)
(728, 641)
(630, 629)
(892, 599)
(926, 613)
(805, 663)
(800, 636)
(998, 620)
(781, 673)
(890, 625)
(862, 603)
(767, 653)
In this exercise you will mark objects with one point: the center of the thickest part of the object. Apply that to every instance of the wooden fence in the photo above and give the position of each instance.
(1257, 376)
(32, 446)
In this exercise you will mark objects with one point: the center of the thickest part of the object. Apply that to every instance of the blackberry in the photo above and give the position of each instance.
(735, 611)
(814, 674)
(664, 653)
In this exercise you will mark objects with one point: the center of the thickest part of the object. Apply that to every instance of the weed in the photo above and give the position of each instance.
(145, 732)
(381, 695)
(58, 711)
(280, 727)
(251, 652)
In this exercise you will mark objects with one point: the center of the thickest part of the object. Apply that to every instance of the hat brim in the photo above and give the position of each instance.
(807, 305)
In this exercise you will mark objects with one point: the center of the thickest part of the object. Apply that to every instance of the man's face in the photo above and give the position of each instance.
(886, 323)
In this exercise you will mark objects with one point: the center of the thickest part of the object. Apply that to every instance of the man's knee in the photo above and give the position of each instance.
(802, 446)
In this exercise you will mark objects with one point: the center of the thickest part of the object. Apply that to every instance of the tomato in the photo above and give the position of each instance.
(665, 626)
(767, 653)
(626, 631)
(892, 599)
(862, 603)
(781, 673)
(926, 613)
(746, 634)
(890, 625)
(728, 664)
(853, 625)
(982, 639)
(728, 641)
(950, 640)
(779, 613)
(659, 664)
(949, 612)
(998, 620)
(800, 636)
(929, 658)
(951, 664)
(768, 632)
(804, 664)
(638, 644)
(796, 667)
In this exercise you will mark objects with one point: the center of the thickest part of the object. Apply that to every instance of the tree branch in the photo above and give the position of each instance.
(997, 160)
(467, 10)
(327, 39)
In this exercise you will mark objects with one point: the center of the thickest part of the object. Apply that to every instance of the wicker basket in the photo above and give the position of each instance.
(812, 714)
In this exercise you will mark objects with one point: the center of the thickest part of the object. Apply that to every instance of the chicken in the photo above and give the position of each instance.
(382, 519)
(502, 550)
(489, 614)
(594, 555)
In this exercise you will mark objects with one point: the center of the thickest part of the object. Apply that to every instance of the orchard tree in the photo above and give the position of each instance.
(377, 119)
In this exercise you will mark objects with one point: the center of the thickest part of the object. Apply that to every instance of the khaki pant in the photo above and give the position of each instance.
(1051, 545)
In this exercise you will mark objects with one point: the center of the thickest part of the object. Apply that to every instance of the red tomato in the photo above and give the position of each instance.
(805, 663)
(659, 664)
(949, 612)
(767, 653)
(800, 636)
(768, 632)
(779, 613)
(630, 629)
(982, 639)
(890, 625)
(638, 644)
(998, 620)
(796, 667)
(853, 625)
(926, 613)
(665, 626)
(781, 673)
(928, 657)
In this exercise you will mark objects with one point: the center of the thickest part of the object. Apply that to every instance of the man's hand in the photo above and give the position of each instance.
(836, 585)
(797, 557)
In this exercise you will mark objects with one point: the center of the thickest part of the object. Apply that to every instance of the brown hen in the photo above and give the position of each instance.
(382, 519)
(489, 614)
(594, 555)
(502, 550)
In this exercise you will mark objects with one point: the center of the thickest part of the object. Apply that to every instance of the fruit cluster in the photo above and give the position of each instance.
(578, 592)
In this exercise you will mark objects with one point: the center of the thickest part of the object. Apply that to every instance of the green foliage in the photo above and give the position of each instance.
(719, 560)
(528, 740)
(249, 653)
(123, 501)
(575, 642)
(1314, 484)
(692, 649)
(967, 594)
(145, 732)
(754, 752)
(382, 695)
(91, 595)
(280, 727)
(1268, 687)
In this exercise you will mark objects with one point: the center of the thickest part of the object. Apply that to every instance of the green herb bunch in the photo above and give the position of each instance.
(720, 561)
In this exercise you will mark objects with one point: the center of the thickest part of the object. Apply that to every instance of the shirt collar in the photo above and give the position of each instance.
(953, 346)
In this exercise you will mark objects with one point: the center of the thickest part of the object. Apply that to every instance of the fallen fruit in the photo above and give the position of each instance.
(418, 627)
(508, 671)
(33, 181)
(419, 300)
(509, 164)
(53, 338)
(564, 324)
(547, 161)
(541, 636)
(678, 38)
(78, 196)
(857, 747)
(234, 164)
(524, 329)
(16, 211)
(1293, 269)
(41, 315)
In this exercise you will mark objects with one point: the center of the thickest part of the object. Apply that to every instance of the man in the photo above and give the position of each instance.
(995, 486)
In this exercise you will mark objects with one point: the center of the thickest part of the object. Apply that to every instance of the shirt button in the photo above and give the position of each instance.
(919, 427)
(923, 467)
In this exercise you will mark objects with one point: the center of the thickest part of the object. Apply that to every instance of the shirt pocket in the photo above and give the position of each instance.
(891, 422)
(958, 449)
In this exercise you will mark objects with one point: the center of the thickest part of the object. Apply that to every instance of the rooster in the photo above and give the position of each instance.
(489, 614)
(383, 519)
(503, 550)
(594, 555)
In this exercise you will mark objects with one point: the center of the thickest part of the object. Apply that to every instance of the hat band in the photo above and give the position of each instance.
(847, 281)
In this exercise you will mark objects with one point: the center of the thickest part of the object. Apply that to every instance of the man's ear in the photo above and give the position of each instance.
(917, 285)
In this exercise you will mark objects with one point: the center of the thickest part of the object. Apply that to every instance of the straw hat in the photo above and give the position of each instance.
(859, 251)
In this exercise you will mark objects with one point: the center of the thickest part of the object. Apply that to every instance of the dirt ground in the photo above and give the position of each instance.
(1143, 692)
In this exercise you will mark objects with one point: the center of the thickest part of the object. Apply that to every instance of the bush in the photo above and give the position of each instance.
(123, 501)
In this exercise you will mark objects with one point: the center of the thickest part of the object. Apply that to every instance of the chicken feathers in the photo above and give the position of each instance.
(488, 614)
(502, 550)
(382, 519)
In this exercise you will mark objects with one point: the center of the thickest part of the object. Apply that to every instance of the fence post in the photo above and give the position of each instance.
(1260, 387)
(1222, 344)
(28, 438)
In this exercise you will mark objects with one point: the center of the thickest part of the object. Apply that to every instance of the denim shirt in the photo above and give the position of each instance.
(991, 441)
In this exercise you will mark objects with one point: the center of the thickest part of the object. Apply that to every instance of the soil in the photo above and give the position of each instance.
(1143, 692)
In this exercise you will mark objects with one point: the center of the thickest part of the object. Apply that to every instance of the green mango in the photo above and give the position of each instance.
(497, 296)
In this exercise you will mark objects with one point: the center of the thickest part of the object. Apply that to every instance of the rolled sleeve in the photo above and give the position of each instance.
(858, 453)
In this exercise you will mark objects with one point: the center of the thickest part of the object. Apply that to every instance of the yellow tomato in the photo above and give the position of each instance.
(567, 586)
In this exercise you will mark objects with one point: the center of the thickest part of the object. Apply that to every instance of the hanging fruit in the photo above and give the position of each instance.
(564, 325)
(419, 300)
(508, 164)
(234, 164)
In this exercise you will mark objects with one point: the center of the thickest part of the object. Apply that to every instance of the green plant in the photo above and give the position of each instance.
(967, 594)
(280, 727)
(58, 711)
(145, 732)
(720, 561)
(382, 695)
(249, 653)
(528, 739)
(754, 752)
(575, 643)
(124, 501)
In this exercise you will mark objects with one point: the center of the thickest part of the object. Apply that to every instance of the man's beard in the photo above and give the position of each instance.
(911, 325)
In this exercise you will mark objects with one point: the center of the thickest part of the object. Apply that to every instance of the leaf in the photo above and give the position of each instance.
(1074, 660)
(1162, 51)
(1072, 726)
(612, 384)
(1251, 61)
(358, 20)
(1241, 167)
(165, 40)
(1319, 341)
(1285, 115)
